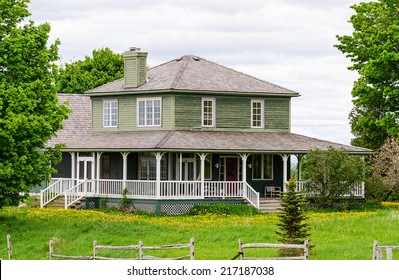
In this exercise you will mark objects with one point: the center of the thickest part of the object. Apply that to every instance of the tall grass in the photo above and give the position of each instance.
(334, 235)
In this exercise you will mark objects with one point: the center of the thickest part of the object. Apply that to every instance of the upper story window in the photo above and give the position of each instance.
(257, 113)
(149, 112)
(208, 112)
(110, 113)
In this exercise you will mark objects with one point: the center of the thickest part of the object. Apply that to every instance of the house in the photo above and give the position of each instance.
(185, 132)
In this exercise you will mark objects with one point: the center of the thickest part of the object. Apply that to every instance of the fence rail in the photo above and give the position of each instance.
(378, 249)
(140, 248)
(242, 256)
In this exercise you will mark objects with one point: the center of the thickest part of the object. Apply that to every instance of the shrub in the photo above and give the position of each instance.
(124, 203)
(222, 208)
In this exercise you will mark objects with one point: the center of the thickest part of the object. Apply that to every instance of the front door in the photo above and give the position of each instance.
(188, 170)
(85, 171)
(231, 169)
(232, 176)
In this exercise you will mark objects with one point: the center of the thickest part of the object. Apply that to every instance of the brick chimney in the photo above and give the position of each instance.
(135, 67)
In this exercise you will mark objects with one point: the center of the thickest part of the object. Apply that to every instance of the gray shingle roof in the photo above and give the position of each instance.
(192, 73)
(207, 141)
(79, 120)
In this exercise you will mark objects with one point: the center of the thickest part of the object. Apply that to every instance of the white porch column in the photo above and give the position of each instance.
(299, 167)
(181, 167)
(202, 158)
(98, 167)
(244, 158)
(124, 176)
(158, 156)
(285, 170)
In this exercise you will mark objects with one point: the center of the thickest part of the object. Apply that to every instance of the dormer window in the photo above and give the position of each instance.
(110, 113)
(208, 112)
(149, 112)
(257, 113)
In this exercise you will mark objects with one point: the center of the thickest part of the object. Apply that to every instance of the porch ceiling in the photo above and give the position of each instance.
(208, 141)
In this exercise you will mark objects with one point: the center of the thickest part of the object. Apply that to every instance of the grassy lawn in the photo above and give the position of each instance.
(334, 235)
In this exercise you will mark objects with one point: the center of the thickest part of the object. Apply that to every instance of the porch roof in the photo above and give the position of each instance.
(203, 141)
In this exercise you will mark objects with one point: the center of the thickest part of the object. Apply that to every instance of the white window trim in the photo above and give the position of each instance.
(213, 111)
(145, 114)
(262, 118)
(263, 169)
(110, 101)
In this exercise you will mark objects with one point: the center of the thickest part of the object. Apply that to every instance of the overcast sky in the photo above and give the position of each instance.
(287, 42)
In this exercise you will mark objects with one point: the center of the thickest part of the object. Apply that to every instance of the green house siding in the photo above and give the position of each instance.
(233, 112)
(277, 114)
(184, 112)
(188, 111)
(127, 112)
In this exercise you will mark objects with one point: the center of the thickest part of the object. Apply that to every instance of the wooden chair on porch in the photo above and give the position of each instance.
(272, 191)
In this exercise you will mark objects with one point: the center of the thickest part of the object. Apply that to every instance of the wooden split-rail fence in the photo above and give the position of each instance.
(378, 249)
(303, 247)
(140, 248)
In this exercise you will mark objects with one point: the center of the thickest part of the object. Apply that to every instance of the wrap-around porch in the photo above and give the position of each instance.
(167, 176)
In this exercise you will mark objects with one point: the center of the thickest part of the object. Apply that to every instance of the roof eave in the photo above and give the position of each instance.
(185, 91)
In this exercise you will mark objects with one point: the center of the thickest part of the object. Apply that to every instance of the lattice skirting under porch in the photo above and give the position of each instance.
(159, 207)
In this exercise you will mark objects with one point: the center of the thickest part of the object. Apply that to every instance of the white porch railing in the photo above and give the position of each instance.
(357, 190)
(150, 190)
(251, 195)
(57, 186)
(77, 192)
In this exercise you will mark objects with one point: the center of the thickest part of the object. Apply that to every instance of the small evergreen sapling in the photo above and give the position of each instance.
(292, 226)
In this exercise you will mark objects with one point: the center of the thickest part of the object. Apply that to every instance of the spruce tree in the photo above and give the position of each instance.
(292, 226)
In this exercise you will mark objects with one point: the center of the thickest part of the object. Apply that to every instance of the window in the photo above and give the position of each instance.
(149, 112)
(262, 167)
(148, 168)
(110, 113)
(257, 113)
(208, 112)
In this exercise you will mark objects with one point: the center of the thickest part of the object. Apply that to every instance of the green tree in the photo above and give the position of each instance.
(373, 49)
(332, 174)
(384, 181)
(29, 110)
(292, 225)
(82, 75)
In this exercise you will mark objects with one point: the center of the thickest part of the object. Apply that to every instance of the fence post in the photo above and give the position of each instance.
(306, 250)
(377, 253)
(141, 253)
(94, 249)
(9, 247)
(192, 248)
(51, 249)
(241, 252)
(389, 253)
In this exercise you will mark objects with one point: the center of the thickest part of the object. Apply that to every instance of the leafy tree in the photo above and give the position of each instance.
(384, 181)
(373, 49)
(332, 174)
(29, 110)
(292, 225)
(82, 75)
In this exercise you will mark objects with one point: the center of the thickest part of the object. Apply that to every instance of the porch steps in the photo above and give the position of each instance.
(59, 202)
(268, 205)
